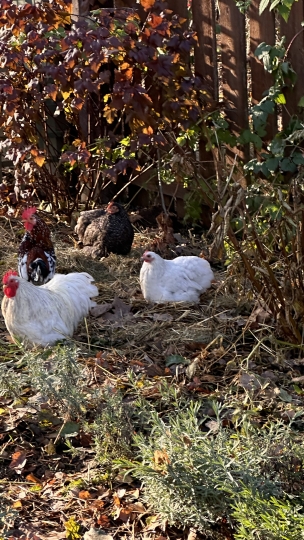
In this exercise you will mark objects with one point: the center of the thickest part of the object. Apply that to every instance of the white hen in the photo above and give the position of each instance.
(180, 280)
(43, 315)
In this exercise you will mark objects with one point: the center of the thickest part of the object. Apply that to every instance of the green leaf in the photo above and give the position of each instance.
(176, 359)
(274, 4)
(70, 429)
(284, 12)
(267, 105)
(286, 165)
(301, 102)
(285, 396)
(298, 158)
(125, 141)
(263, 6)
(262, 49)
(280, 99)
(285, 67)
(272, 164)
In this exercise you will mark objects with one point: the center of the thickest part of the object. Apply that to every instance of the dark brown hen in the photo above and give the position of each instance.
(111, 232)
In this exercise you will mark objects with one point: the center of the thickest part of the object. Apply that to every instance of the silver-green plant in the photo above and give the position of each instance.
(60, 378)
(112, 429)
(195, 477)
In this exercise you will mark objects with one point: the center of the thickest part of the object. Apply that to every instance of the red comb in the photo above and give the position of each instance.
(28, 212)
(7, 275)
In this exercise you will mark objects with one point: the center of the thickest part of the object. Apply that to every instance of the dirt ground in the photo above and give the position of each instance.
(48, 490)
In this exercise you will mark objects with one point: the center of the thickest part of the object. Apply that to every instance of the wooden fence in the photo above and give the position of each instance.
(224, 57)
(243, 79)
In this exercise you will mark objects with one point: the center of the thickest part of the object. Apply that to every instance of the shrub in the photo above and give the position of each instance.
(198, 479)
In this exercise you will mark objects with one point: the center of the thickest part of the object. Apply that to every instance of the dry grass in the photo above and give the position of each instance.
(153, 330)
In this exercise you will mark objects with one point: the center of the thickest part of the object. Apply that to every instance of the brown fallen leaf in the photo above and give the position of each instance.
(104, 521)
(124, 515)
(259, 316)
(249, 381)
(32, 478)
(96, 505)
(154, 370)
(136, 507)
(99, 310)
(160, 458)
(165, 225)
(112, 312)
(18, 462)
(116, 500)
(84, 495)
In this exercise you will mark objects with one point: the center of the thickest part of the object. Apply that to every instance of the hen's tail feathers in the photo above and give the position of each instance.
(79, 287)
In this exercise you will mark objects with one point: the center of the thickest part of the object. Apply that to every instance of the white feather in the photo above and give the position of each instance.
(43, 315)
(181, 280)
(22, 267)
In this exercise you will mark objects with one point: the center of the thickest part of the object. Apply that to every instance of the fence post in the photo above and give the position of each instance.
(234, 68)
(205, 53)
(294, 33)
(262, 28)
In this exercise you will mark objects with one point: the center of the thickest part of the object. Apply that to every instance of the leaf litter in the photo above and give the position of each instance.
(211, 351)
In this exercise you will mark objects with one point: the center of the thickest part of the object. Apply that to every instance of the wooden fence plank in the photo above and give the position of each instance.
(262, 28)
(296, 57)
(234, 68)
(205, 58)
(205, 52)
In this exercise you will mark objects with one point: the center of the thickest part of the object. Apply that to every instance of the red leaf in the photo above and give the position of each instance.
(147, 4)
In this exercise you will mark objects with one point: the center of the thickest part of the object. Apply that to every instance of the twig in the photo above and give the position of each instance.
(160, 184)
(88, 335)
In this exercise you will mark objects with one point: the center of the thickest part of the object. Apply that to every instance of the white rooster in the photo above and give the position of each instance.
(181, 280)
(43, 315)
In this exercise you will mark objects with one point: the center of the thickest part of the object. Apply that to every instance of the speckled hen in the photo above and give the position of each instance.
(105, 231)
(36, 255)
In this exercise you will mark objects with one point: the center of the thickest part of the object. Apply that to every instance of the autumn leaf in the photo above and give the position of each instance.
(39, 160)
(32, 478)
(104, 521)
(77, 103)
(109, 114)
(154, 20)
(137, 507)
(147, 4)
(116, 500)
(160, 458)
(18, 462)
(148, 130)
(77, 142)
(84, 495)
(65, 95)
